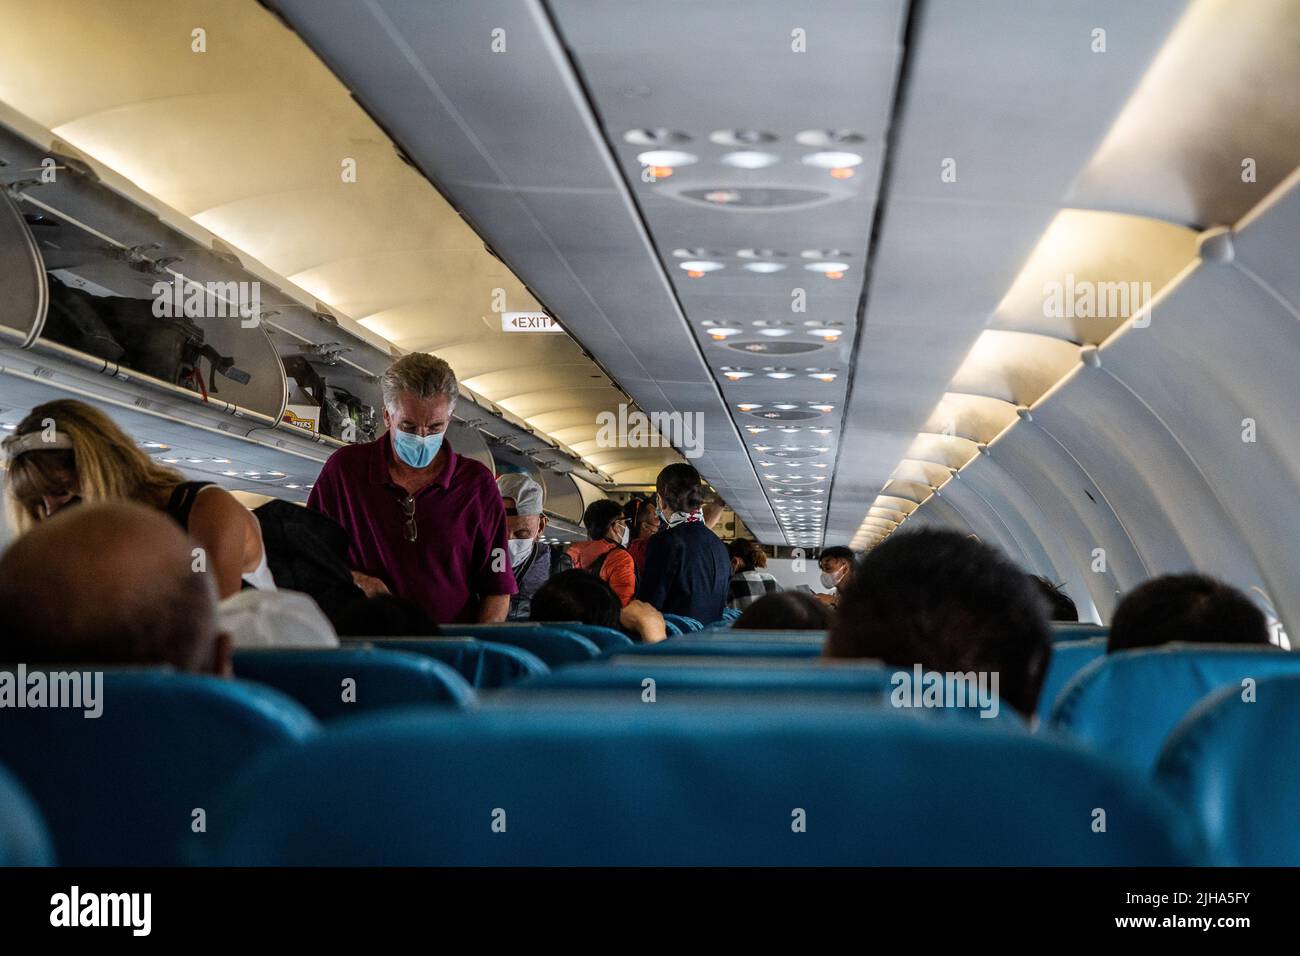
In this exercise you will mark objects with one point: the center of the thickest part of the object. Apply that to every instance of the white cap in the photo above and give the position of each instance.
(275, 619)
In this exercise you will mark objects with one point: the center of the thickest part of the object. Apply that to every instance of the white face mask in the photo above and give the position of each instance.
(627, 533)
(520, 549)
(829, 581)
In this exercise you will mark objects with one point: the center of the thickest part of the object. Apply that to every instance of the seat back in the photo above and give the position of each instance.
(665, 679)
(605, 638)
(1082, 631)
(23, 838)
(134, 786)
(1125, 705)
(484, 664)
(1232, 763)
(340, 682)
(1068, 658)
(681, 786)
(736, 644)
(684, 624)
(553, 644)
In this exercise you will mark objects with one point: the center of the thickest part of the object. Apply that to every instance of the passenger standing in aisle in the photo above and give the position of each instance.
(605, 555)
(687, 567)
(426, 524)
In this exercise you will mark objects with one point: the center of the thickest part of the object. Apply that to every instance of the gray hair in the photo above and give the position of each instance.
(422, 375)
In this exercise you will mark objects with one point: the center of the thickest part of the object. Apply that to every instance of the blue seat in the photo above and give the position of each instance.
(484, 664)
(1234, 766)
(1126, 704)
(1082, 631)
(674, 677)
(738, 644)
(682, 786)
(122, 789)
(1068, 658)
(684, 624)
(605, 638)
(382, 678)
(23, 838)
(552, 643)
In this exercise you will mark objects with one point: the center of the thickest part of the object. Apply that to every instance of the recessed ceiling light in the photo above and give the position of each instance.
(762, 447)
(666, 158)
(221, 461)
(155, 444)
(830, 159)
(701, 265)
(171, 461)
(748, 406)
(774, 333)
(750, 159)
(721, 333)
(764, 268)
(822, 431)
(737, 376)
(754, 429)
(230, 474)
(780, 374)
(786, 407)
(827, 267)
(821, 408)
(823, 376)
(293, 486)
(828, 334)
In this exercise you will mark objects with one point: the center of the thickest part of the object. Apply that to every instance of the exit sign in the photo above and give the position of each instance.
(528, 322)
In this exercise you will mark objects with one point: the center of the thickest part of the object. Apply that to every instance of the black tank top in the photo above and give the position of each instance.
(181, 502)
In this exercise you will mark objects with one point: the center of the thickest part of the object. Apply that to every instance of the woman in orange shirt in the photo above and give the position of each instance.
(606, 553)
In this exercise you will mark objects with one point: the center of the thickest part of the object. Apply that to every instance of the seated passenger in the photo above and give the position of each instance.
(749, 581)
(1185, 607)
(605, 555)
(785, 611)
(836, 564)
(66, 451)
(687, 568)
(643, 519)
(532, 560)
(275, 619)
(1060, 605)
(109, 583)
(577, 595)
(950, 604)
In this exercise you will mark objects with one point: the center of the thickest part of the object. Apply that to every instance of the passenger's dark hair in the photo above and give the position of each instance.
(837, 551)
(385, 615)
(600, 514)
(950, 604)
(679, 486)
(785, 611)
(1060, 606)
(576, 595)
(635, 512)
(1185, 607)
(749, 553)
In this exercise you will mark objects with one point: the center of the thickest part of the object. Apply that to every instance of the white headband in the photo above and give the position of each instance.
(17, 445)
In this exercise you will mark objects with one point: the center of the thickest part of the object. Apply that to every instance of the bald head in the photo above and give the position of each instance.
(109, 583)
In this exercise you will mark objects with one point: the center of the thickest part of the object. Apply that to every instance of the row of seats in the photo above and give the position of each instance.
(190, 769)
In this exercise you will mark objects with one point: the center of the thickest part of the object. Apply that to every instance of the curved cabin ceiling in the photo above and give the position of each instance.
(255, 140)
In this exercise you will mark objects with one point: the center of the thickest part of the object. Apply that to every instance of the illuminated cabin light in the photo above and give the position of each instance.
(821, 431)
(666, 157)
(774, 333)
(293, 486)
(826, 333)
(764, 268)
(823, 376)
(737, 376)
(786, 406)
(831, 159)
(194, 461)
(722, 333)
(827, 267)
(221, 461)
(148, 444)
(821, 408)
(230, 474)
(695, 274)
(750, 159)
(171, 461)
(835, 275)
(780, 374)
(662, 172)
(701, 266)
(755, 429)
(762, 448)
(842, 172)
(748, 406)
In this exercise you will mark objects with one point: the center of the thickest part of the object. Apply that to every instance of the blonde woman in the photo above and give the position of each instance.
(66, 451)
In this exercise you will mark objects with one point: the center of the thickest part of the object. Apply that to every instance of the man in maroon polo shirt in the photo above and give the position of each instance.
(425, 523)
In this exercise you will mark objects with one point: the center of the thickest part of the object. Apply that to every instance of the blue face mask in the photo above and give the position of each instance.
(416, 451)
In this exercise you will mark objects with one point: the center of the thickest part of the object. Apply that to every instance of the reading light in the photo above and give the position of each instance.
(830, 159)
(750, 159)
(672, 157)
